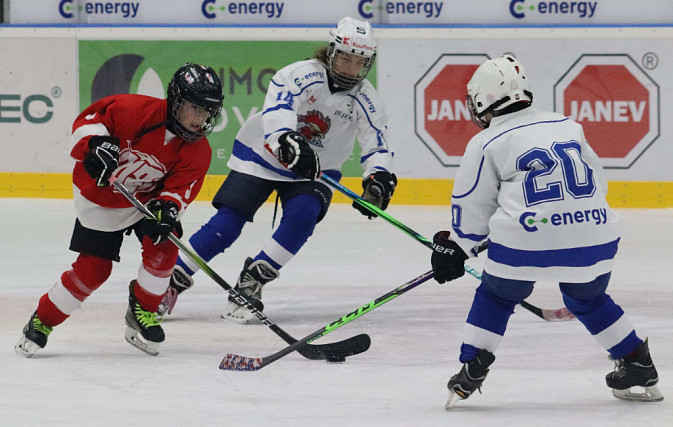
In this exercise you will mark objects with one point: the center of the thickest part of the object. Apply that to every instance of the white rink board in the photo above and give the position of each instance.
(44, 61)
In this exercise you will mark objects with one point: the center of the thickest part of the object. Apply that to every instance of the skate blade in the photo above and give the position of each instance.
(26, 347)
(649, 394)
(240, 315)
(451, 401)
(132, 337)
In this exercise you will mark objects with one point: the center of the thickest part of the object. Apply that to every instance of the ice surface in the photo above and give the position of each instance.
(546, 374)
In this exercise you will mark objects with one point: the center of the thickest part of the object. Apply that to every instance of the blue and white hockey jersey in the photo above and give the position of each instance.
(533, 187)
(299, 99)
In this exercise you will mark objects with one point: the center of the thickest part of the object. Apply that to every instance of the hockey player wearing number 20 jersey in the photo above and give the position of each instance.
(530, 185)
(157, 149)
(313, 112)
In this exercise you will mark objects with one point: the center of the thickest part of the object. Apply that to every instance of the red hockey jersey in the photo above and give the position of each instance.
(153, 163)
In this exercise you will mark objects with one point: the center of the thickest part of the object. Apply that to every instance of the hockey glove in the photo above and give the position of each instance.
(102, 158)
(378, 190)
(448, 259)
(296, 154)
(164, 223)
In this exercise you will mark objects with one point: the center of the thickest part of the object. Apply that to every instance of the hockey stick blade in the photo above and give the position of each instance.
(561, 314)
(235, 362)
(348, 347)
(558, 315)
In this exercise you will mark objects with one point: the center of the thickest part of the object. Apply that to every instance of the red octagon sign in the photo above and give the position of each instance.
(442, 120)
(615, 102)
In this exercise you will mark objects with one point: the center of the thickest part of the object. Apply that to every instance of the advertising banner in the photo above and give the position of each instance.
(619, 90)
(181, 12)
(38, 101)
(146, 67)
(312, 12)
(518, 12)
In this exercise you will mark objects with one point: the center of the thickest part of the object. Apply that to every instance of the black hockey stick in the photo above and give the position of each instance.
(234, 362)
(340, 349)
(560, 314)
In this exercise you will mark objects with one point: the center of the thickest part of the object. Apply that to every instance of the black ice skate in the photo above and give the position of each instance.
(250, 282)
(180, 282)
(143, 329)
(636, 370)
(470, 378)
(34, 337)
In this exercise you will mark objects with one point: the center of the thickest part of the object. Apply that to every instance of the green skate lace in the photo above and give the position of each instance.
(144, 317)
(41, 327)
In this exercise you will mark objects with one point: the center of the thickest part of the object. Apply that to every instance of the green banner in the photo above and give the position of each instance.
(245, 68)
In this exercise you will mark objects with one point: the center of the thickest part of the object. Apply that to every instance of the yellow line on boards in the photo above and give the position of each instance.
(410, 191)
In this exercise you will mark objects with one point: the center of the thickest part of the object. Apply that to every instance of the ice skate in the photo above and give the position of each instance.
(34, 337)
(143, 330)
(637, 371)
(250, 282)
(180, 282)
(471, 376)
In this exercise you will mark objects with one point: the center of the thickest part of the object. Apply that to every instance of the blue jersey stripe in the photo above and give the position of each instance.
(245, 153)
(571, 257)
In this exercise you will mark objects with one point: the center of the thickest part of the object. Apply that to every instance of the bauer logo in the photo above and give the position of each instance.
(126, 73)
(530, 222)
(520, 9)
(211, 8)
(123, 9)
(616, 103)
(442, 120)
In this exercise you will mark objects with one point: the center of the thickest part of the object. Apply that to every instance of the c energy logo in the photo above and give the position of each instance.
(65, 8)
(366, 9)
(527, 220)
(581, 9)
(208, 10)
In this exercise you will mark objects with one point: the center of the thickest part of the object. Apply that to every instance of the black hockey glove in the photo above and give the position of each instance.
(102, 159)
(166, 221)
(448, 259)
(298, 156)
(378, 190)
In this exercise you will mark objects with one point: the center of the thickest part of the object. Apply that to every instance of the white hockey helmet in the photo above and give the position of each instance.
(497, 84)
(354, 37)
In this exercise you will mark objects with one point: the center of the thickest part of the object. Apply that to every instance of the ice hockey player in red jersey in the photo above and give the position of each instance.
(158, 150)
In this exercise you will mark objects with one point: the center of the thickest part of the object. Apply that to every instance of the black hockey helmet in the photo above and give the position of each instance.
(199, 85)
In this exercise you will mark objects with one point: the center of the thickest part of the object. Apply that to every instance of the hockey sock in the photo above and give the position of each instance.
(300, 216)
(218, 234)
(493, 304)
(87, 274)
(606, 322)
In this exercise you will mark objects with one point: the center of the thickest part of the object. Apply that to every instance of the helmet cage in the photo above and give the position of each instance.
(341, 79)
(201, 87)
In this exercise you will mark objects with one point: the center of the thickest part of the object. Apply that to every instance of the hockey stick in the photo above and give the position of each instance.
(560, 314)
(234, 362)
(340, 349)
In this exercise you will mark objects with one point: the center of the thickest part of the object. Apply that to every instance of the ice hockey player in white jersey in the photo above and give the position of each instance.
(531, 186)
(313, 112)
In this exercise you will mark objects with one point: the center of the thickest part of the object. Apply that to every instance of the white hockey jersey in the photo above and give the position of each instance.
(299, 99)
(533, 187)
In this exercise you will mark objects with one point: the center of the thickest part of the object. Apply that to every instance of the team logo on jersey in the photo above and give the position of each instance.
(596, 216)
(138, 171)
(314, 126)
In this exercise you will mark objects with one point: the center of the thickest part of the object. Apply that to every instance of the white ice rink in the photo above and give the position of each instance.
(546, 374)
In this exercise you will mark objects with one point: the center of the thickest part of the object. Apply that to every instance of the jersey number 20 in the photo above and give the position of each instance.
(578, 177)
